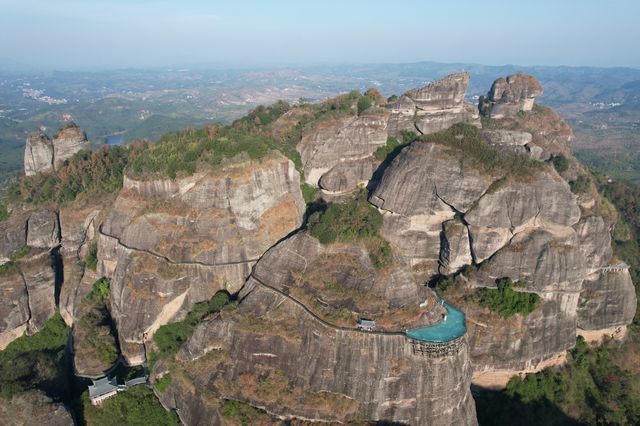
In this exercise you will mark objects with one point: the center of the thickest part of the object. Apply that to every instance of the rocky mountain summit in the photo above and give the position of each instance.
(425, 188)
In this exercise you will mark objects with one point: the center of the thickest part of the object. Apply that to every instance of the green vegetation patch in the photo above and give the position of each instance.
(383, 151)
(135, 406)
(12, 264)
(505, 301)
(170, 337)
(468, 140)
(184, 152)
(308, 192)
(4, 213)
(91, 259)
(353, 220)
(589, 389)
(580, 185)
(242, 413)
(100, 291)
(100, 171)
(561, 163)
(162, 384)
(35, 362)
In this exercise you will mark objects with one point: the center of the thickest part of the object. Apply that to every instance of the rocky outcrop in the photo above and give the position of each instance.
(509, 96)
(43, 229)
(608, 300)
(272, 353)
(34, 408)
(345, 142)
(13, 235)
(169, 244)
(425, 186)
(38, 154)
(69, 140)
(28, 286)
(455, 251)
(41, 155)
(434, 107)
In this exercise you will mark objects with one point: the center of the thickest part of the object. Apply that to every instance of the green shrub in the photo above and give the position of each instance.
(383, 151)
(100, 291)
(12, 264)
(353, 220)
(170, 337)
(91, 259)
(35, 361)
(162, 384)
(507, 302)
(561, 163)
(241, 412)
(350, 220)
(135, 406)
(580, 185)
(364, 103)
(308, 192)
(4, 214)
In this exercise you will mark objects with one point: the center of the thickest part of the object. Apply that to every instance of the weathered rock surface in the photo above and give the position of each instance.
(34, 408)
(38, 154)
(333, 142)
(434, 107)
(43, 229)
(594, 241)
(455, 251)
(348, 175)
(13, 235)
(509, 96)
(511, 207)
(28, 290)
(169, 244)
(313, 371)
(67, 142)
(425, 185)
(608, 300)
(522, 342)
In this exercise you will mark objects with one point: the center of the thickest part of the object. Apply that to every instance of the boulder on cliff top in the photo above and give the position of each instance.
(69, 140)
(434, 107)
(38, 154)
(509, 96)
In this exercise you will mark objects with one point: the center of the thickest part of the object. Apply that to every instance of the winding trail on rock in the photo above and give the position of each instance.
(174, 262)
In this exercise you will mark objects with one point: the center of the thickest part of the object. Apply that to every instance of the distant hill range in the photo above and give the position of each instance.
(601, 104)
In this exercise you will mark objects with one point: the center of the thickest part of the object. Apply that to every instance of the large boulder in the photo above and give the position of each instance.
(434, 107)
(34, 408)
(69, 140)
(509, 96)
(38, 154)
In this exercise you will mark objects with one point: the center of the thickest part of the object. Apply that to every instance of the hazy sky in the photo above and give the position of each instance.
(67, 34)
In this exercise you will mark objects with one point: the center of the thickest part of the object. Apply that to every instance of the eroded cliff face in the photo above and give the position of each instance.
(338, 153)
(169, 244)
(272, 353)
(28, 293)
(434, 107)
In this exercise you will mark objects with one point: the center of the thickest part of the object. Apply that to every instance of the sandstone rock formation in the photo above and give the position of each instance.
(69, 140)
(34, 408)
(434, 107)
(169, 244)
(272, 353)
(338, 142)
(509, 96)
(38, 154)
(41, 155)
(28, 289)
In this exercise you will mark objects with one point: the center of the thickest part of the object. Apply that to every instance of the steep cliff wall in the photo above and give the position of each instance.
(168, 244)
(272, 353)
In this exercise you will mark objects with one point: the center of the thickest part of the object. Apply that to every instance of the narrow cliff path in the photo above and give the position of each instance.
(171, 261)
